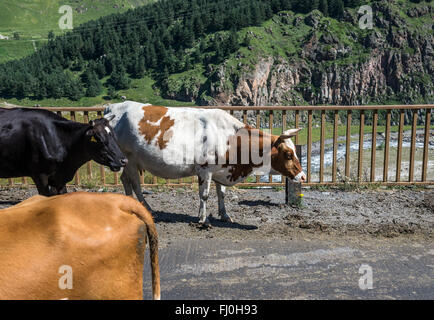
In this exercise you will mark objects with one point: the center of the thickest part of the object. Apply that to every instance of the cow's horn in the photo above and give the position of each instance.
(110, 118)
(291, 132)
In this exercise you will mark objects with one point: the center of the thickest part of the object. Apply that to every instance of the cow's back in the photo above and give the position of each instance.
(28, 136)
(105, 249)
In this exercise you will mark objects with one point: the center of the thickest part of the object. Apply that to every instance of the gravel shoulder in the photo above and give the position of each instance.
(261, 213)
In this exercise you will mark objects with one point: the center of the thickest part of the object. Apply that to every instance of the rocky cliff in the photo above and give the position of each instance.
(297, 59)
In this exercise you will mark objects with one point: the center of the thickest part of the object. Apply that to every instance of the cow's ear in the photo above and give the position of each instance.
(279, 140)
(92, 123)
(90, 132)
(291, 132)
(286, 135)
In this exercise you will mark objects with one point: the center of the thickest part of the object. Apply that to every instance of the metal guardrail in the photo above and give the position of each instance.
(281, 117)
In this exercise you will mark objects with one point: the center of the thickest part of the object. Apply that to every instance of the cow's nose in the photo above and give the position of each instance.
(124, 162)
(303, 178)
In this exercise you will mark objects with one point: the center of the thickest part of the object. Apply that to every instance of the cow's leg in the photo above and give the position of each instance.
(204, 185)
(56, 190)
(126, 183)
(221, 201)
(41, 182)
(132, 180)
(53, 191)
(62, 190)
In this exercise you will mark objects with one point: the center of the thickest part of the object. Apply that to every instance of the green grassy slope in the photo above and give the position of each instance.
(33, 19)
(140, 90)
(282, 37)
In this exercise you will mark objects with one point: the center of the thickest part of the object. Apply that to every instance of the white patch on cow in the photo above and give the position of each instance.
(107, 129)
(290, 144)
(198, 135)
(195, 138)
(157, 123)
(108, 229)
(299, 176)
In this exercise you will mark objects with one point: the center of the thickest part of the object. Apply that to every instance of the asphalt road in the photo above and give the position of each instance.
(273, 251)
(300, 269)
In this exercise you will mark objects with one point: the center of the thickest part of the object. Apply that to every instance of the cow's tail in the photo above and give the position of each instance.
(146, 217)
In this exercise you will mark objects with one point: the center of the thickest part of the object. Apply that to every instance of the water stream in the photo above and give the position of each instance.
(341, 151)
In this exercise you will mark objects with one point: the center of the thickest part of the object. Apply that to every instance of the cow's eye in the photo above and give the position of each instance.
(288, 156)
(96, 139)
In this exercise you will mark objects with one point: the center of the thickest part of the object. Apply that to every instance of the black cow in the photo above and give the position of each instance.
(50, 149)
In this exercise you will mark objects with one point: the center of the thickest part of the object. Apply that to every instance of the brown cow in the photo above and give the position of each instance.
(96, 242)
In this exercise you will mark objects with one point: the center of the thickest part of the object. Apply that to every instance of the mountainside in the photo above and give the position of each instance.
(256, 52)
(32, 20)
(296, 59)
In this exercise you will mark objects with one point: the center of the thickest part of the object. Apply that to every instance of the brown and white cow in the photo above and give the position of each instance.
(174, 143)
(76, 246)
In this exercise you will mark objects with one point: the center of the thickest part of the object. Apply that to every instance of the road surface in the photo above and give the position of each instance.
(299, 269)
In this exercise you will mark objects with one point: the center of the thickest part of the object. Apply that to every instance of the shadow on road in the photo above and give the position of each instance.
(168, 217)
(10, 202)
(255, 203)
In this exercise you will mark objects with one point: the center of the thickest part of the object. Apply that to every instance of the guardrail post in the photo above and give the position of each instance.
(293, 189)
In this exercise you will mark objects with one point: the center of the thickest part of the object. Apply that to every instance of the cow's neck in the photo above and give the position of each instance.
(241, 171)
(273, 140)
(78, 155)
(273, 154)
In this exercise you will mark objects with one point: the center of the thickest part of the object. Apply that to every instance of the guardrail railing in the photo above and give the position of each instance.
(384, 144)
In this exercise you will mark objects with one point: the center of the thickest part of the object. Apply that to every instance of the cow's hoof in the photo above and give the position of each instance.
(204, 224)
(200, 226)
(227, 219)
